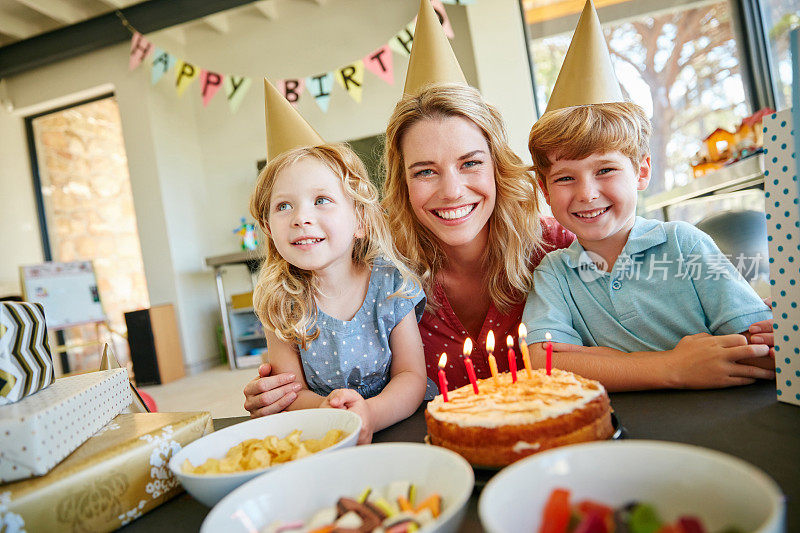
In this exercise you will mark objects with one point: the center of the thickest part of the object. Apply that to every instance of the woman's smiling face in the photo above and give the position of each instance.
(450, 177)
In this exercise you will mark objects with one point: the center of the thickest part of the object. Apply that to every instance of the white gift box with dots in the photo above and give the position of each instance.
(40, 430)
(783, 228)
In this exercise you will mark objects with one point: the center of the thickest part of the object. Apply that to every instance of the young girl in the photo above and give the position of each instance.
(332, 292)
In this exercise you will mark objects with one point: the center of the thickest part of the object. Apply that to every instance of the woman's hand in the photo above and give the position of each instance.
(267, 395)
(353, 401)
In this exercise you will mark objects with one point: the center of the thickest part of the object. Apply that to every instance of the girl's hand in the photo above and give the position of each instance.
(352, 401)
(267, 395)
(706, 361)
(761, 333)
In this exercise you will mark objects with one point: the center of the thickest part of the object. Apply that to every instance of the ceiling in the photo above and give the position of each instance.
(23, 19)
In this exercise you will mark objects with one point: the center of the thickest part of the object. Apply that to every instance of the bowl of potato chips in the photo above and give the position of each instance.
(211, 467)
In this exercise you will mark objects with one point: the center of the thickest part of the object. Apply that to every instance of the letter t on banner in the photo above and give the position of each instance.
(380, 63)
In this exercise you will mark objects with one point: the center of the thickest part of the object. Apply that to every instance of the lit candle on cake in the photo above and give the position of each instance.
(549, 349)
(468, 364)
(442, 377)
(492, 360)
(512, 359)
(523, 348)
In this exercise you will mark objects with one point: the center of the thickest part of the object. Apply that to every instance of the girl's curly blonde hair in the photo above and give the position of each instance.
(515, 232)
(284, 295)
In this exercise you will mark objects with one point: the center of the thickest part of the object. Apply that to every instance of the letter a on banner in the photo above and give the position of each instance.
(140, 49)
(320, 87)
(210, 82)
(186, 73)
(379, 63)
(351, 78)
(163, 61)
(235, 89)
(291, 89)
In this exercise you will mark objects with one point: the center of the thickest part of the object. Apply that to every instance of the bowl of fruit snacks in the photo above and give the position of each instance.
(211, 467)
(634, 487)
(394, 488)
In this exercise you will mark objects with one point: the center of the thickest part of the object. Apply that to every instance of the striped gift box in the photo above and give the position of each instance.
(26, 365)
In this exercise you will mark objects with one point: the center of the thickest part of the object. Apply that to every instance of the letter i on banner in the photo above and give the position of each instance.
(379, 63)
(320, 87)
(140, 49)
(210, 82)
(404, 40)
(351, 78)
(163, 61)
(185, 76)
(235, 89)
(291, 89)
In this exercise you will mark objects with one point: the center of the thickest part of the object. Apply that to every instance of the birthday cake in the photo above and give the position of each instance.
(508, 421)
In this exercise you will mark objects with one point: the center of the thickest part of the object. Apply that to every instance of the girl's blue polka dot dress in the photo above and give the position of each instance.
(783, 226)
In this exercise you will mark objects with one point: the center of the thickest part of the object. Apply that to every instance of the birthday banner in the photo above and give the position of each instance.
(350, 77)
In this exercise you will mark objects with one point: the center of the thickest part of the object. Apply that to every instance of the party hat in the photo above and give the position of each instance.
(432, 59)
(286, 129)
(108, 361)
(587, 76)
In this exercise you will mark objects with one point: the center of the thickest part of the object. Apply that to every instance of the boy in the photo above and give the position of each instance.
(643, 304)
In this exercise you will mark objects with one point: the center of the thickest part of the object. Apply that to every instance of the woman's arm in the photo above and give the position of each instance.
(284, 359)
(697, 362)
(406, 389)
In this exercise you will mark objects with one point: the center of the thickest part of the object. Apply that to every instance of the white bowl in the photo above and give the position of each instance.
(210, 488)
(298, 490)
(677, 479)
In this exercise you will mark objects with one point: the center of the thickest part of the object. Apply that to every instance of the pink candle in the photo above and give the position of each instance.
(512, 359)
(468, 364)
(442, 377)
(549, 349)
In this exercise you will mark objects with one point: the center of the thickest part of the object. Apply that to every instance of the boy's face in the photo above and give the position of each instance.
(595, 197)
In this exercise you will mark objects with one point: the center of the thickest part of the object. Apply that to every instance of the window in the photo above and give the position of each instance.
(780, 17)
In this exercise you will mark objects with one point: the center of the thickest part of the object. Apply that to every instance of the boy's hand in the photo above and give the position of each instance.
(352, 401)
(705, 361)
(761, 333)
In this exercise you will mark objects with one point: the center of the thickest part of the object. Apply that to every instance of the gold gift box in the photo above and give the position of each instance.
(116, 476)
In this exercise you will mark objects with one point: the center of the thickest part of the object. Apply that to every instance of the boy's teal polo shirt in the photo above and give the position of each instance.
(670, 281)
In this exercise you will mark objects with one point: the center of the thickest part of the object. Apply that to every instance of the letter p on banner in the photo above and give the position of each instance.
(210, 82)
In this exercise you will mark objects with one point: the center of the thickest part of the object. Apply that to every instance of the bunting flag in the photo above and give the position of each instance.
(351, 78)
(210, 82)
(163, 62)
(291, 89)
(403, 40)
(380, 62)
(185, 75)
(140, 49)
(320, 87)
(235, 89)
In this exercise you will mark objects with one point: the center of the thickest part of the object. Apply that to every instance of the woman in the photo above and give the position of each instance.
(464, 211)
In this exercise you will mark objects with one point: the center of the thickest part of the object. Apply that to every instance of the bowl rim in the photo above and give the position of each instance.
(447, 514)
(176, 469)
(777, 498)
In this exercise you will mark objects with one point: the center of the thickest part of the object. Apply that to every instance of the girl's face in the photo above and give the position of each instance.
(312, 221)
(450, 176)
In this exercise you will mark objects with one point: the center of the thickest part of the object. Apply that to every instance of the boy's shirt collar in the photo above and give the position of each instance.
(645, 234)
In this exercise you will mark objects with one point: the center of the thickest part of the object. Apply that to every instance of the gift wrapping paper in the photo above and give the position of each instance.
(113, 478)
(40, 430)
(26, 365)
(783, 229)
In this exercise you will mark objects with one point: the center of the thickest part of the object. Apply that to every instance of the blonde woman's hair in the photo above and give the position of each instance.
(284, 295)
(515, 231)
(578, 132)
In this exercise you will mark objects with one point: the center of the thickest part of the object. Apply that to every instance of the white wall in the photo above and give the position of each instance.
(193, 168)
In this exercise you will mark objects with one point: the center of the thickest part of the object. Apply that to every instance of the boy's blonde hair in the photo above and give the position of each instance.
(577, 132)
(515, 231)
(284, 295)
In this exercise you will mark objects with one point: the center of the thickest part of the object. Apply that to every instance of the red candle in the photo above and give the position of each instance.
(468, 364)
(442, 377)
(512, 359)
(549, 349)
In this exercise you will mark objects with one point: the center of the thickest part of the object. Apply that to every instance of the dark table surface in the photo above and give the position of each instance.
(747, 422)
